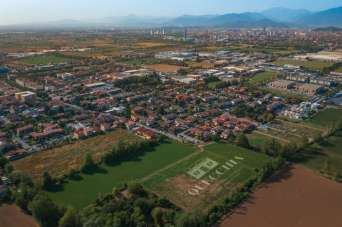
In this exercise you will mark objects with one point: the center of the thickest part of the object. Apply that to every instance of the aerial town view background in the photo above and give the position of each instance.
(230, 120)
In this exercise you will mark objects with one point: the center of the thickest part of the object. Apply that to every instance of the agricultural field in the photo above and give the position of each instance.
(200, 65)
(61, 160)
(326, 118)
(326, 158)
(283, 132)
(199, 181)
(151, 44)
(13, 216)
(165, 68)
(312, 65)
(263, 77)
(46, 59)
(83, 191)
(278, 51)
(295, 197)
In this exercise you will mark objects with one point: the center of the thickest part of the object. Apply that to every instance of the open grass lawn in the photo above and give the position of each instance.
(213, 85)
(80, 193)
(339, 70)
(46, 59)
(263, 77)
(313, 65)
(258, 141)
(326, 157)
(61, 160)
(203, 179)
(278, 51)
(327, 117)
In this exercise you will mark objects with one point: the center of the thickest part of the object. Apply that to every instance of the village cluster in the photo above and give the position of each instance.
(69, 106)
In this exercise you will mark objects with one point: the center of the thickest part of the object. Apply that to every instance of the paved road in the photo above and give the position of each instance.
(22, 142)
(181, 138)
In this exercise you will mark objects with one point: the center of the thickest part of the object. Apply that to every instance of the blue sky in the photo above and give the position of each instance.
(26, 11)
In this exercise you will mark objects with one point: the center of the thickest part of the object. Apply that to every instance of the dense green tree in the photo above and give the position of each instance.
(242, 141)
(137, 189)
(88, 164)
(190, 220)
(157, 215)
(70, 219)
(24, 195)
(272, 148)
(45, 211)
(48, 182)
(3, 161)
(8, 168)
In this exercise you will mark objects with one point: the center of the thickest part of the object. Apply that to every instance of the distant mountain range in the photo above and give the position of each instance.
(330, 17)
(232, 20)
(286, 15)
(275, 17)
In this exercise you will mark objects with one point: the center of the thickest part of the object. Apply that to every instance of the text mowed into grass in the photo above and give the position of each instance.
(207, 177)
(208, 171)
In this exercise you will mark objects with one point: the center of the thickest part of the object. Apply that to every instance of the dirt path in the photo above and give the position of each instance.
(295, 198)
(302, 125)
(274, 137)
(12, 216)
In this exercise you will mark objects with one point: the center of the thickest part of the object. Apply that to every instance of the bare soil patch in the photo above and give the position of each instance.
(165, 68)
(12, 216)
(295, 198)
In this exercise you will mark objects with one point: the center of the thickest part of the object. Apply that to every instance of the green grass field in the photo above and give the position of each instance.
(327, 117)
(258, 141)
(46, 59)
(263, 77)
(196, 183)
(80, 193)
(213, 85)
(327, 157)
(312, 65)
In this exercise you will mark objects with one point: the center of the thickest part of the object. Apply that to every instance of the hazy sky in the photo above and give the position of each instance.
(26, 11)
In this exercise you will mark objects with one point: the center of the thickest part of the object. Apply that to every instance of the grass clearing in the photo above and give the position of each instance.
(196, 183)
(46, 59)
(258, 141)
(214, 84)
(79, 193)
(325, 158)
(312, 65)
(327, 117)
(263, 77)
(284, 132)
(61, 160)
